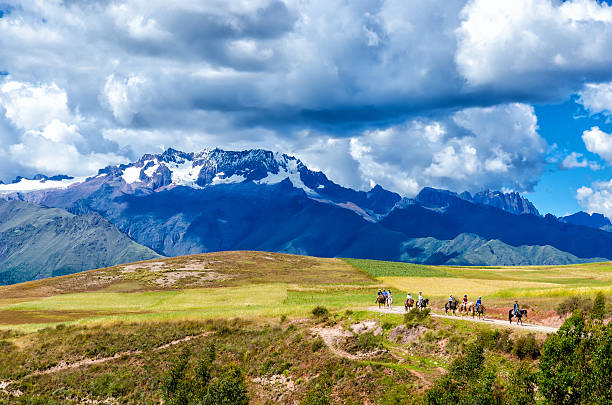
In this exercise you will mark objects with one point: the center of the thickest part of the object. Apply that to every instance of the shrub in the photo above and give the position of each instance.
(415, 317)
(470, 380)
(368, 342)
(320, 312)
(599, 306)
(317, 345)
(576, 362)
(526, 346)
(228, 389)
(203, 387)
(521, 387)
(319, 392)
(571, 304)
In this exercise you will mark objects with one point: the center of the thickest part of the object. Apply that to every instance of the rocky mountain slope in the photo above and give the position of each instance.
(37, 242)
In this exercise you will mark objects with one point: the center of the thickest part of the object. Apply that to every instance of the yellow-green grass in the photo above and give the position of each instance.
(438, 287)
(260, 284)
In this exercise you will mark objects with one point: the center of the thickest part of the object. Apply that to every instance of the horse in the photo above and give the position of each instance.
(381, 300)
(519, 315)
(389, 301)
(423, 304)
(480, 311)
(452, 305)
(408, 304)
(467, 307)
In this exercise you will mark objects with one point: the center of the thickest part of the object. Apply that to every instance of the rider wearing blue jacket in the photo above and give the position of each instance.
(478, 302)
(516, 308)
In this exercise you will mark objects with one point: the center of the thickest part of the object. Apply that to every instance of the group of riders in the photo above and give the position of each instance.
(385, 297)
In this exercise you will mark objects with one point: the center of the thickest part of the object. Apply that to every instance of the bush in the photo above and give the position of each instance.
(526, 346)
(319, 392)
(599, 306)
(571, 304)
(203, 387)
(367, 342)
(415, 317)
(521, 386)
(320, 312)
(576, 362)
(469, 381)
(228, 389)
(317, 345)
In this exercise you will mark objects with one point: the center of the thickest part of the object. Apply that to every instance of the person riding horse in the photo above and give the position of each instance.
(517, 312)
(464, 303)
(451, 304)
(409, 302)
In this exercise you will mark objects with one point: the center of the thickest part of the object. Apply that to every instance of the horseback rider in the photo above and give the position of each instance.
(465, 301)
(420, 298)
(450, 299)
(379, 292)
(516, 308)
(385, 293)
(478, 303)
(408, 297)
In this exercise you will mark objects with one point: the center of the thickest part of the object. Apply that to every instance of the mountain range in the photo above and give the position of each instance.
(177, 203)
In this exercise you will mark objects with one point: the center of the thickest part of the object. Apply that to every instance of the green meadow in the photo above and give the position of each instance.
(267, 285)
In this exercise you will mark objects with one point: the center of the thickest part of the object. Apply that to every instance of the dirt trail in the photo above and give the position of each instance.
(330, 336)
(525, 326)
(87, 362)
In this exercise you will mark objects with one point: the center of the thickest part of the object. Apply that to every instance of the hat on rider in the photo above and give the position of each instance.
(465, 295)
(479, 297)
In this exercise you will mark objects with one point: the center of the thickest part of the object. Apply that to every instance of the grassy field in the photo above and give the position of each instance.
(256, 309)
(267, 285)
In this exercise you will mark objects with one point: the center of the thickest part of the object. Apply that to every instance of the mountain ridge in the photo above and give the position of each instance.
(178, 203)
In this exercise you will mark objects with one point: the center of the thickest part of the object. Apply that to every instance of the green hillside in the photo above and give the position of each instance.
(279, 328)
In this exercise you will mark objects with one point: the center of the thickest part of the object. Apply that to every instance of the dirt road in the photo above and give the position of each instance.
(497, 322)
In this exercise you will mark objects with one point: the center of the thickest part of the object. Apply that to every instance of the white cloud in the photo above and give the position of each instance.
(539, 43)
(598, 142)
(597, 97)
(472, 149)
(597, 198)
(380, 92)
(575, 159)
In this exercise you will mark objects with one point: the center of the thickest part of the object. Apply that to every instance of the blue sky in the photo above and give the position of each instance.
(455, 94)
(562, 125)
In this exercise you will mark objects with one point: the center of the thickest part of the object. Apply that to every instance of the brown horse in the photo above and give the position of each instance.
(381, 300)
(408, 304)
(480, 311)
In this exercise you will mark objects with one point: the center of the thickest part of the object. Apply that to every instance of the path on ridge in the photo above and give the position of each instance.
(526, 326)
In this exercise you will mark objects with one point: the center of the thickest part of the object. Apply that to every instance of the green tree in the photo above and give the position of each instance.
(576, 362)
(470, 380)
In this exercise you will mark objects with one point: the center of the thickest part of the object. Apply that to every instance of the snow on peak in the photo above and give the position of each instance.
(26, 185)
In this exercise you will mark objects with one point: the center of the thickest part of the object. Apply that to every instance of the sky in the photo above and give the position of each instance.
(512, 95)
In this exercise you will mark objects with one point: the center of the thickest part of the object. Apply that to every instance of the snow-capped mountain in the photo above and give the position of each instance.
(181, 203)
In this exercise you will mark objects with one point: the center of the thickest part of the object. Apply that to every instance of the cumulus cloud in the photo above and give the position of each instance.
(597, 97)
(472, 149)
(599, 142)
(107, 81)
(597, 198)
(575, 159)
(547, 45)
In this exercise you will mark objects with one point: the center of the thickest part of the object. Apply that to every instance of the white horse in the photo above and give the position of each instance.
(389, 301)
